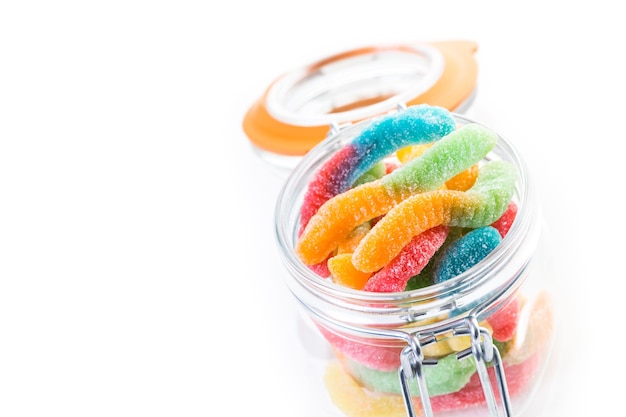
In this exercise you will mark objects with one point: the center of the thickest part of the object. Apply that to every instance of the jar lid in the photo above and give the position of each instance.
(299, 109)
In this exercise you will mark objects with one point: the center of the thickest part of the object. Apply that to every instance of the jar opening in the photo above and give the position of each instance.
(355, 85)
(501, 271)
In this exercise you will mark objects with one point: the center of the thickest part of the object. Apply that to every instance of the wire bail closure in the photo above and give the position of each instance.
(484, 352)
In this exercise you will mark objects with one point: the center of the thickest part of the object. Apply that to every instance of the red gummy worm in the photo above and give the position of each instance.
(503, 224)
(328, 182)
(410, 261)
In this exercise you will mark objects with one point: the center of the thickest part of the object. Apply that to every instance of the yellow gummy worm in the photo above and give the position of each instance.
(408, 153)
(479, 206)
(354, 400)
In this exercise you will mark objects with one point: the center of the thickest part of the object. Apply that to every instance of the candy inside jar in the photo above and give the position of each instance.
(410, 241)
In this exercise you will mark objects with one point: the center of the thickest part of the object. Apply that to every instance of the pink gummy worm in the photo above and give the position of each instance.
(327, 182)
(409, 262)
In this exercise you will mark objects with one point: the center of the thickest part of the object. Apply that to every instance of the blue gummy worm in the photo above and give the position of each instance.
(466, 252)
(415, 125)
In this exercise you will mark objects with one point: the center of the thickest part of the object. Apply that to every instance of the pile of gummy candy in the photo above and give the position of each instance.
(380, 224)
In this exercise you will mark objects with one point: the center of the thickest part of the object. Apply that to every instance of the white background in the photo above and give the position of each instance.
(138, 272)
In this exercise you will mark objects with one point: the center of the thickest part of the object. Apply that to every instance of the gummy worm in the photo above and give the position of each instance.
(336, 217)
(466, 252)
(394, 276)
(461, 181)
(479, 206)
(452, 155)
(414, 125)
(344, 273)
(409, 262)
(503, 224)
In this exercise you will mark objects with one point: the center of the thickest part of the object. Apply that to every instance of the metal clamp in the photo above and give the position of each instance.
(482, 348)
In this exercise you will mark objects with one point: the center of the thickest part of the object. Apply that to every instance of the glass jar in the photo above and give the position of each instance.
(476, 344)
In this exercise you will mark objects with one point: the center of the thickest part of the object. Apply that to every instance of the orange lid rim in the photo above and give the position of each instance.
(454, 87)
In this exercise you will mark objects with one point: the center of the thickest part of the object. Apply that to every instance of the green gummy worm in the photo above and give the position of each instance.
(453, 154)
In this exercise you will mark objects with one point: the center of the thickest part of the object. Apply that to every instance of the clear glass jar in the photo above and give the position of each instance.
(477, 344)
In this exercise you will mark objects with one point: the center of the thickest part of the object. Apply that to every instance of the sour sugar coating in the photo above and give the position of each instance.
(466, 252)
(376, 172)
(353, 239)
(383, 136)
(325, 184)
(321, 269)
(464, 180)
(426, 276)
(334, 220)
(479, 206)
(394, 276)
(461, 181)
(344, 273)
(454, 154)
(409, 262)
(504, 223)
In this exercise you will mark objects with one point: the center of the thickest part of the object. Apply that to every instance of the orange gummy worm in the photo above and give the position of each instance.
(344, 273)
(353, 239)
(479, 206)
(463, 181)
(425, 211)
(336, 219)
